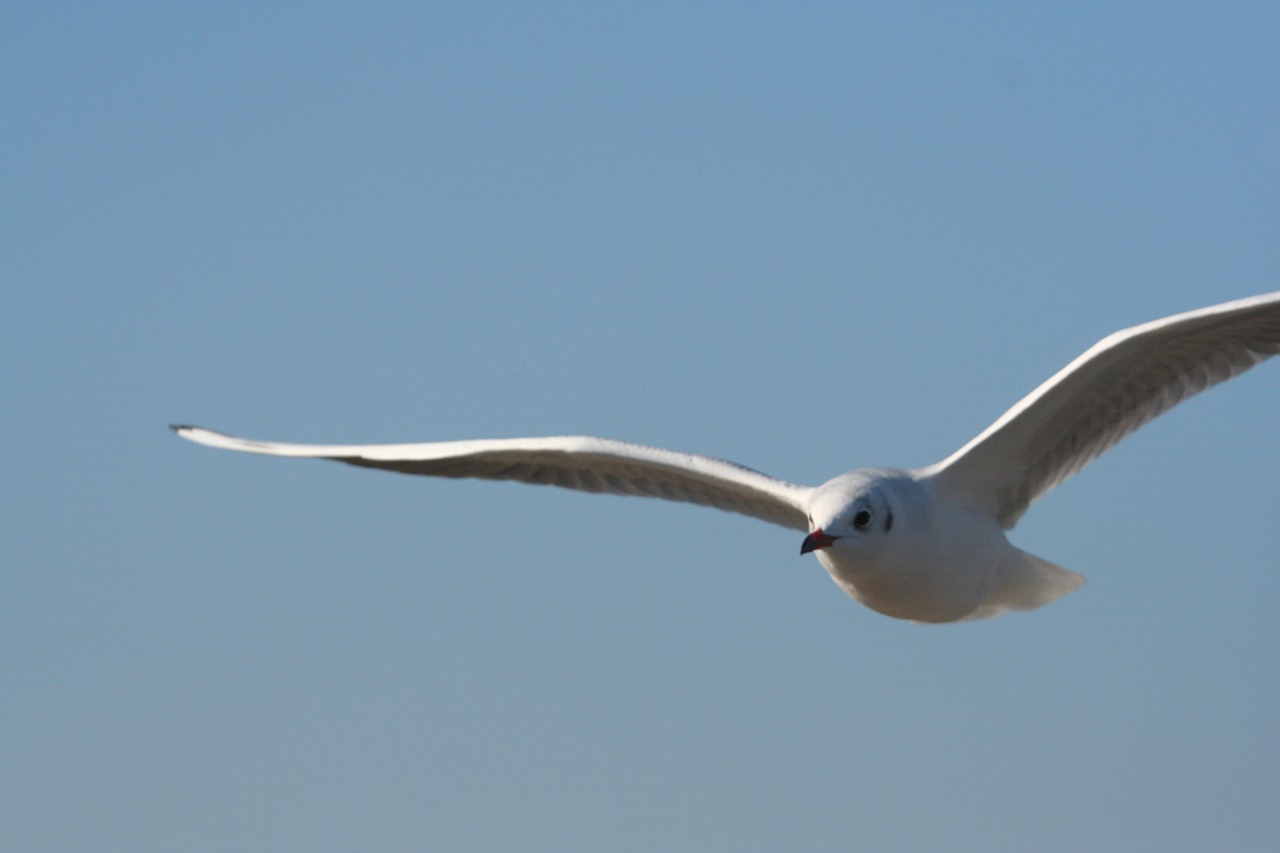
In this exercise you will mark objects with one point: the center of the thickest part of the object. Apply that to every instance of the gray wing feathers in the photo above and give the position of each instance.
(572, 462)
(1114, 388)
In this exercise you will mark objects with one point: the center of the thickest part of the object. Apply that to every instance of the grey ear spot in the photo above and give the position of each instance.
(888, 520)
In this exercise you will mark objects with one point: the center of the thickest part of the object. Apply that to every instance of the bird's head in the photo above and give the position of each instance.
(852, 515)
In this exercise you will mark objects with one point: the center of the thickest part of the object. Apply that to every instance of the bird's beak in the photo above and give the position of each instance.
(816, 541)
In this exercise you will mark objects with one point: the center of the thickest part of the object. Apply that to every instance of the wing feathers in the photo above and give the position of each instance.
(1119, 384)
(571, 462)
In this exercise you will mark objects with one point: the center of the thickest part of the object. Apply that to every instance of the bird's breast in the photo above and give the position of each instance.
(938, 579)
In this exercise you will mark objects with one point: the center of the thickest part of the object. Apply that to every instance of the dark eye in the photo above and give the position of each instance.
(862, 519)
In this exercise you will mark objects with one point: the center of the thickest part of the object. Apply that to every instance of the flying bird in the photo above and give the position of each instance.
(925, 544)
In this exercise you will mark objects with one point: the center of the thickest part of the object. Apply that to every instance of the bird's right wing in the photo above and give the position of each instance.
(573, 462)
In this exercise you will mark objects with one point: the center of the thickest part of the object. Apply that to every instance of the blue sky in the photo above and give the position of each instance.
(806, 239)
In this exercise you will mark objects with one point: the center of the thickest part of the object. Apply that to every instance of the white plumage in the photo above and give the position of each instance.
(924, 544)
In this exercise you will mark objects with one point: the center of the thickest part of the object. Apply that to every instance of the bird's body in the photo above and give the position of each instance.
(926, 544)
(911, 551)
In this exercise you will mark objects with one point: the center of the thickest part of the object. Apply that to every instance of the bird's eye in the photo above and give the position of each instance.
(862, 519)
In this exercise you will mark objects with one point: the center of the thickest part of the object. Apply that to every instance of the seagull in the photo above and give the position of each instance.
(924, 544)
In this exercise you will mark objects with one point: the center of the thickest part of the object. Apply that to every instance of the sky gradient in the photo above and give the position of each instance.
(806, 240)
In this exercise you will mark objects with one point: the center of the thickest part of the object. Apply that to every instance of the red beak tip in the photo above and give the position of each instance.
(816, 541)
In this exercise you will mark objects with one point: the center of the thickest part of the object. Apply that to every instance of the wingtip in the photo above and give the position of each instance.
(190, 432)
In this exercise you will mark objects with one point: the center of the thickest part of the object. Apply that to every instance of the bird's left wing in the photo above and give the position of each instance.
(1116, 386)
(573, 462)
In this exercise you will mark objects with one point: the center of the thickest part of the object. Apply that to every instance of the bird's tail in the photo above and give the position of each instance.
(1025, 582)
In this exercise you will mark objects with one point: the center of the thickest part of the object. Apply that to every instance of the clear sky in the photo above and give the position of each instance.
(807, 239)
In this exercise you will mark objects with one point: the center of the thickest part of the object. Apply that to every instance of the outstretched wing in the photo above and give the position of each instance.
(1119, 384)
(573, 462)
